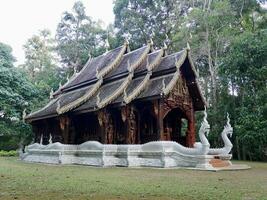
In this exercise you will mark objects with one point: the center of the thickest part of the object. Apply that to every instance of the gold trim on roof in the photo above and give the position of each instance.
(166, 90)
(143, 56)
(128, 98)
(115, 62)
(40, 110)
(116, 94)
(88, 94)
(125, 84)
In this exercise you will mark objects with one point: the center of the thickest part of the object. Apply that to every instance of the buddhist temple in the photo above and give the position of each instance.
(124, 97)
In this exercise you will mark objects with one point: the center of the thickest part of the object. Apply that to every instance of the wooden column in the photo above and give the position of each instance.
(138, 128)
(130, 119)
(64, 122)
(106, 126)
(191, 130)
(159, 114)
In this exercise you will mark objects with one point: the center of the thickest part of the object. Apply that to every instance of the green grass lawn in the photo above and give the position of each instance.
(19, 180)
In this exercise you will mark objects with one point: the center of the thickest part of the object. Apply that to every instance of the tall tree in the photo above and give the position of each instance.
(142, 19)
(78, 36)
(41, 63)
(16, 93)
(244, 70)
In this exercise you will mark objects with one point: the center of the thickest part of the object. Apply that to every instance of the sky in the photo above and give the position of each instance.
(20, 19)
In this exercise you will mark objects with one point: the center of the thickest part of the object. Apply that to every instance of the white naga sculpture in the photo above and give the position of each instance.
(152, 154)
(228, 130)
(200, 148)
(41, 140)
(50, 139)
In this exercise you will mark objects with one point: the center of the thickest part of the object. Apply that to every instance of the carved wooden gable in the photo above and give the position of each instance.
(178, 97)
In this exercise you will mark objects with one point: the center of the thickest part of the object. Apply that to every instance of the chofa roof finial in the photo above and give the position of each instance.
(126, 37)
(98, 99)
(60, 85)
(165, 47)
(24, 114)
(89, 56)
(150, 41)
(51, 93)
(187, 46)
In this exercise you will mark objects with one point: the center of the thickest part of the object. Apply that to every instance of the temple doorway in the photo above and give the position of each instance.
(175, 126)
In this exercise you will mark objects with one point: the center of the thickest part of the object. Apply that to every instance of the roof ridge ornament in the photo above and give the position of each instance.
(98, 100)
(89, 56)
(129, 68)
(165, 47)
(124, 94)
(145, 81)
(59, 85)
(163, 84)
(97, 71)
(188, 46)
(24, 114)
(150, 42)
(58, 106)
(68, 78)
(114, 63)
(81, 100)
(147, 63)
(51, 95)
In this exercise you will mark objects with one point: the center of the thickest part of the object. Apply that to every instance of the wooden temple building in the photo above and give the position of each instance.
(124, 97)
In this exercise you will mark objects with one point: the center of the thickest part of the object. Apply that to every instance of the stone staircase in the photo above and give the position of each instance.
(218, 163)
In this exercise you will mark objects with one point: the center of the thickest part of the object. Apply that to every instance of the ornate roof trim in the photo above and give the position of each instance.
(143, 56)
(40, 110)
(115, 63)
(116, 94)
(128, 98)
(76, 103)
(166, 90)
(125, 84)
(196, 74)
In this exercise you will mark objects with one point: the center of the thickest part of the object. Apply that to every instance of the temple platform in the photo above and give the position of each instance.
(160, 154)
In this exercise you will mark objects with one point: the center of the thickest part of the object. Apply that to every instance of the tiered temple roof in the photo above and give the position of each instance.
(120, 77)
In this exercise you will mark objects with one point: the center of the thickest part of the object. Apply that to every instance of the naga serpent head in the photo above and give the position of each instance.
(228, 128)
(205, 124)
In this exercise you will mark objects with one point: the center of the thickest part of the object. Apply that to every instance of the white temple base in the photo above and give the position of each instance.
(93, 153)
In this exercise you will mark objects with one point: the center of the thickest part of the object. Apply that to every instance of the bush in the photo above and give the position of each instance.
(8, 153)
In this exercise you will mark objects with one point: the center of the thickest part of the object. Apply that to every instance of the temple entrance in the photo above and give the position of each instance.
(175, 126)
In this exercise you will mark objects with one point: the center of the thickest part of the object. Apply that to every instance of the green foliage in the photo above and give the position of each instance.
(140, 20)
(244, 69)
(77, 36)
(8, 153)
(41, 65)
(16, 93)
(6, 58)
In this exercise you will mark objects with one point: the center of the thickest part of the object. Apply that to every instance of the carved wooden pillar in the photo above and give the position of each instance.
(64, 122)
(106, 126)
(158, 109)
(138, 128)
(191, 130)
(101, 118)
(130, 118)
